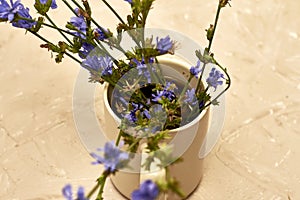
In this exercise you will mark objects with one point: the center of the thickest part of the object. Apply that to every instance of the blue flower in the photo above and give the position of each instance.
(9, 13)
(53, 3)
(164, 45)
(86, 48)
(148, 191)
(100, 34)
(102, 64)
(129, 1)
(195, 70)
(131, 116)
(113, 158)
(213, 79)
(68, 194)
(190, 97)
(80, 24)
(143, 68)
(146, 113)
(167, 92)
(158, 96)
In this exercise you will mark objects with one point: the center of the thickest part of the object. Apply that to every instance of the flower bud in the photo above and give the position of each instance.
(223, 3)
(210, 32)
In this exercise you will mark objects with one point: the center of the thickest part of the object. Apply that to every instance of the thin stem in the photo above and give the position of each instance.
(69, 6)
(228, 81)
(50, 20)
(93, 190)
(210, 44)
(113, 10)
(200, 78)
(102, 181)
(185, 87)
(118, 138)
(48, 42)
(215, 26)
(45, 24)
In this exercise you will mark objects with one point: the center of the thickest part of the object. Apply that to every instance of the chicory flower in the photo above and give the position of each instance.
(113, 158)
(148, 191)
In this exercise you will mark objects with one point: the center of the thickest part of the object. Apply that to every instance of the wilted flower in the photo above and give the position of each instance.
(148, 191)
(223, 3)
(113, 158)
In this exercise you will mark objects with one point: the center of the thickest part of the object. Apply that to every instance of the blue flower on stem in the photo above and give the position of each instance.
(68, 194)
(102, 64)
(131, 116)
(167, 92)
(213, 79)
(143, 68)
(164, 45)
(80, 24)
(191, 97)
(113, 158)
(86, 48)
(195, 70)
(53, 3)
(148, 191)
(9, 13)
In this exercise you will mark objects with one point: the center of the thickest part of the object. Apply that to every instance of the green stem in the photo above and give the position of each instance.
(69, 6)
(215, 26)
(200, 78)
(45, 24)
(50, 20)
(228, 82)
(98, 42)
(185, 87)
(48, 42)
(113, 10)
(93, 190)
(102, 181)
(118, 138)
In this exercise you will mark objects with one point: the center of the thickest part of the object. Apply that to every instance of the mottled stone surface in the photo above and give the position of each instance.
(258, 154)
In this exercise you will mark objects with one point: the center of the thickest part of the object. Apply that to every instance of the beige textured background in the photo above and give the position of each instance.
(258, 155)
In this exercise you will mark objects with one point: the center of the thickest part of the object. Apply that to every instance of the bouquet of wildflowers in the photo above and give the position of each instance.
(148, 104)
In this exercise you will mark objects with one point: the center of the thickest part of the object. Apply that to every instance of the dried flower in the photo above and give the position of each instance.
(223, 3)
